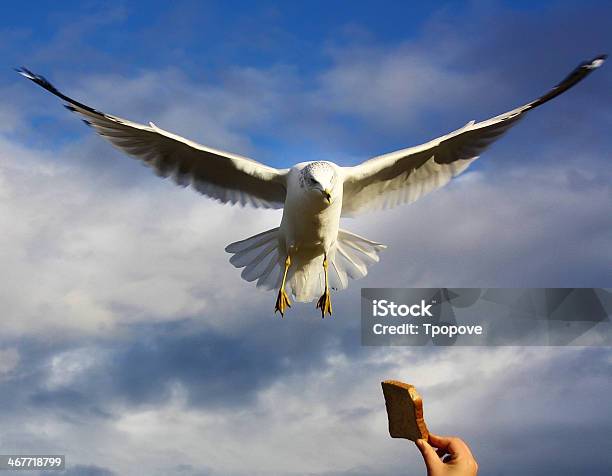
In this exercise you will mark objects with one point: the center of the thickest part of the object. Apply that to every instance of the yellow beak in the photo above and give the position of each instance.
(326, 193)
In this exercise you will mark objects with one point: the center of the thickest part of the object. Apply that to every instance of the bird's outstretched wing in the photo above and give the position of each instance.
(221, 175)
(406, 175)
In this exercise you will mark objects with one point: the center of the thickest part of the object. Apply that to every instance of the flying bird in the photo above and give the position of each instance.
(308, 253)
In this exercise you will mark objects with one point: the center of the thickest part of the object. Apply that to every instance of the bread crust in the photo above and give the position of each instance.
(404, 411)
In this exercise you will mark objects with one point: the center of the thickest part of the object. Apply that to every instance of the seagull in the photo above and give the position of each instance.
(308, 253)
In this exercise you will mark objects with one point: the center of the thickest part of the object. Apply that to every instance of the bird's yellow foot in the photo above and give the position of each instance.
(282, 302)
(325, 304)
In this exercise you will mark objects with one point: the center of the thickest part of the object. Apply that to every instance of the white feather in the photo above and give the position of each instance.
(309, 229)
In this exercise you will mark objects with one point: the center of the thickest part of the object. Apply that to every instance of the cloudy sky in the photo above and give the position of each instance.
(132, 346)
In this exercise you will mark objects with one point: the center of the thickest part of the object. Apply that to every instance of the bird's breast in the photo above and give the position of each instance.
(311, 223)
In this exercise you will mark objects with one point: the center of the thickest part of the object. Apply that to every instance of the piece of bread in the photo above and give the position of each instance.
(405, 411)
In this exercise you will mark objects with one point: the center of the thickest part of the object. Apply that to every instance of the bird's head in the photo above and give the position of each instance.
(319, 178)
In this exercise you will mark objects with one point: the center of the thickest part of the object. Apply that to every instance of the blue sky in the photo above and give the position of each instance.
(129, 339)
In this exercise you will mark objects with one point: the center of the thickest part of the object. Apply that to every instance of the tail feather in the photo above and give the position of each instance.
(349, 258)
(253, 255)
(256, 267)
(253, 241)
(259, 257)
(338, 279)
(353, 256)
(347, 264)
(271, 276)
(262, 257)
(366, 247)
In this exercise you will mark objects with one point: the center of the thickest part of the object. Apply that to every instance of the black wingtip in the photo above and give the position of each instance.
(37, 78)
(595, 62)
(578, 74)
(23, 71)
(72, 105)
(581, 71)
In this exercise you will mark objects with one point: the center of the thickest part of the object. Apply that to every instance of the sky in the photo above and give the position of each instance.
(131, 345)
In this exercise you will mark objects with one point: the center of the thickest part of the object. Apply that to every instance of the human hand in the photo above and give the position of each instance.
(457, 462)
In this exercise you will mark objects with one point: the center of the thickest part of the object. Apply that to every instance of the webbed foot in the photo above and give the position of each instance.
(282, 302)
(325, 304)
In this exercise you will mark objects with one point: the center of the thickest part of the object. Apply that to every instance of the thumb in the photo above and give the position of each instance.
(431, 458)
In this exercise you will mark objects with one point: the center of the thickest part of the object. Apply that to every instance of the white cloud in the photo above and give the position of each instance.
(396, 87)
(66, 367)
(526, 227)
(85, 255)
(9, 360)
(332, 418)
(78, 256)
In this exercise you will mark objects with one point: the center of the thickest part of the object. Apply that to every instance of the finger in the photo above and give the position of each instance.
(430, 457)
(450, 444)
(441, 452)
